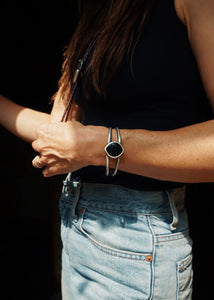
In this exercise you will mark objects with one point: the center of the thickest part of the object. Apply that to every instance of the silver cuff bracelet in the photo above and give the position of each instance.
(113, 150)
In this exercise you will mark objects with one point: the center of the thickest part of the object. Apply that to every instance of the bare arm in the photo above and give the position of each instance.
(23, 122)
(19, 120)
(59, 108)
(183, 155)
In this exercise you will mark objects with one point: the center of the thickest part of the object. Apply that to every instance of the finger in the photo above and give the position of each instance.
(35, 162)
(38, 162)
(55, 169)
(50, 171)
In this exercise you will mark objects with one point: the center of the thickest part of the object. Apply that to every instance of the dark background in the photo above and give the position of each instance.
(33, 35)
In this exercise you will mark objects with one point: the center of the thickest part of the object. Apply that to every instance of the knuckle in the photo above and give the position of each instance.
(36, 146)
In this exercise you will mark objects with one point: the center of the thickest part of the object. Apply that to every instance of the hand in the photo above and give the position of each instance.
(62, 147)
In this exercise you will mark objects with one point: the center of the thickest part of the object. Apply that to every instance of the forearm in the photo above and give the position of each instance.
(182, 155)
(22, 122)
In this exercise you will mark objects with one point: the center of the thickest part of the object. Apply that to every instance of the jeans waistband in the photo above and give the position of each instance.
(125, 200)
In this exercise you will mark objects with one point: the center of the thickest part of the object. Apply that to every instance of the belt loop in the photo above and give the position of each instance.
(69, 176)
(66, 181)
(77, 187)
(175, 220)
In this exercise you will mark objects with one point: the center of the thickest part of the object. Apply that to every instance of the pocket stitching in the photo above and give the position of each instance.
(181, 267)
(184, 263)
(112, 251)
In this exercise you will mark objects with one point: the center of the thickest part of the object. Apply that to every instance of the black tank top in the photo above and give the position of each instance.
(165, 92)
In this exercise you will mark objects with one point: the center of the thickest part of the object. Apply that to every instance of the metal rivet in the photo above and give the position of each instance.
(149, 258)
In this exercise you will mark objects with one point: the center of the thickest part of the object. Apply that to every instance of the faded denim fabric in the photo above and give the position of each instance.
(124, 244)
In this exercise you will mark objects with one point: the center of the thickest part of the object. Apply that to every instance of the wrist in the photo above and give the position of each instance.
(96, 138)
(96, 141)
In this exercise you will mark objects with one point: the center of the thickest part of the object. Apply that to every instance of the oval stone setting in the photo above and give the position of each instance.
(114, 150)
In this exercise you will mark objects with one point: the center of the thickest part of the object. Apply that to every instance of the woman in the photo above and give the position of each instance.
(132, 139)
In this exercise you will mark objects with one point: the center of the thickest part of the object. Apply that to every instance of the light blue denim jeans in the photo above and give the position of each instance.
(124, 244)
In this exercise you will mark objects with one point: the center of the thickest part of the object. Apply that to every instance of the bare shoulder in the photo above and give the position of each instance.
(179, 7)
(199, 19)
(193, 10)
(190, 10)
(196, 5)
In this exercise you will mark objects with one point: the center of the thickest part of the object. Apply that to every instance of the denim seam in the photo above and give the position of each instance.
(112, 251)
(172, 236)
(66, 199)
(85, 206)
(153, 255)
(184, 263)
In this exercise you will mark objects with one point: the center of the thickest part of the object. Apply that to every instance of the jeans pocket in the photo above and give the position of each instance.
(185, 278)
(121, 251)
(116, 234)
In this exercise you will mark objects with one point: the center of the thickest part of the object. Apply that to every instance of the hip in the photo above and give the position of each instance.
(137, 242)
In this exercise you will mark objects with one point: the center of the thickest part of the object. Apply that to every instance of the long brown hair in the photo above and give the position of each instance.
(117, 22)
